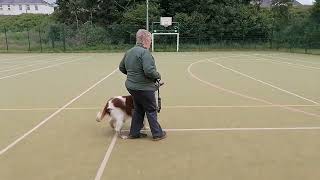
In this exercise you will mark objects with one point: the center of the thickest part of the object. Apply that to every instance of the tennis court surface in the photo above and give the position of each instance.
(230, 115)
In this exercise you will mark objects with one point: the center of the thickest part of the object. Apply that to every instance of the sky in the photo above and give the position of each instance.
(309, 2)
(50, 1)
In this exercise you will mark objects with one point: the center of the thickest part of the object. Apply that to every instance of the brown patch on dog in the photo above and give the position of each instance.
(106, 110)
(119, 104)
(126, 106)
(129, 105)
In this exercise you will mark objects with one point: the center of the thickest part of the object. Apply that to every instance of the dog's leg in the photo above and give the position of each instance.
(145, 126)
(112, 122)
(119, 124)
(119, 118)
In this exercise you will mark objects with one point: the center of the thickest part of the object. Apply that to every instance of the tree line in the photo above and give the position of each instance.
(201, 21)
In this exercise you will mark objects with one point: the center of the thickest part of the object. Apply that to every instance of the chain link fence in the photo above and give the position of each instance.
(88, 37)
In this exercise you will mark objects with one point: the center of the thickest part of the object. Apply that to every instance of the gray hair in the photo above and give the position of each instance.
(141, 35)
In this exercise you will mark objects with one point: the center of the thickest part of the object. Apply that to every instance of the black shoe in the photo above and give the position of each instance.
(158, 138)
(141, 135)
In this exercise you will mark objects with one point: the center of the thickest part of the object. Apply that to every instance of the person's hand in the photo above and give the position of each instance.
(161, 83)
(158, 83)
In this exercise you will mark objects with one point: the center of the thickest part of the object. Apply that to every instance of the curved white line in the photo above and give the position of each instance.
(221, 88)
(243, 95)
(265, 83)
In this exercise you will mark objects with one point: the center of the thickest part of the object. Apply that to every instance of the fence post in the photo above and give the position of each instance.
(306, 43)
(29, 49)
(5, 33)
(64, 39)
(40, 39)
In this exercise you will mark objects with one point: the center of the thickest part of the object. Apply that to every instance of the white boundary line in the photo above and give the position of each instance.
(265, 83)
(38, 69)
(238, 129)
(166, 107)
(268, 58)
(53, 114)
(37, 63)
(20, 59)
(106, 158)
(19, 64)
(245, 129)
(284, 58)
(243, 95)
(221, 88)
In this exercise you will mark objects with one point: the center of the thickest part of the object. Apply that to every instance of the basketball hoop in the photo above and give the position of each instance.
(165, 27)
(166, 21)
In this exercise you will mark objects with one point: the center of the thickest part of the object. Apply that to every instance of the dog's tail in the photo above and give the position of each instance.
(100, 115)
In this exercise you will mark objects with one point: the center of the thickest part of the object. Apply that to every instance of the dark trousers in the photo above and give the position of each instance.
(144, 103)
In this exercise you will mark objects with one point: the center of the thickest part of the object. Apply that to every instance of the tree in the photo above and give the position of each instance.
(315, 12)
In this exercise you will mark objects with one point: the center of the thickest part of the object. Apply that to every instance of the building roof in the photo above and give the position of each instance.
(23, 2)
(267, 3)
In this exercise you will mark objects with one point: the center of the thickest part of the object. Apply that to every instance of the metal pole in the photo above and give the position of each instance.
(152, 42)
(5, 33)
(29, 49)
(178, 37)
(147, 23)
(64, 39)
(40, 39)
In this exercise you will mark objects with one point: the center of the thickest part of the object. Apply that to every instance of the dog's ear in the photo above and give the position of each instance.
(104, 112)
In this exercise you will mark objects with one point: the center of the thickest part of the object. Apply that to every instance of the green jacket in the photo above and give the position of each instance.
(139, 66)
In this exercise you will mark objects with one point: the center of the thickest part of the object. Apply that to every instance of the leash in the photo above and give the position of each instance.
(158, 84)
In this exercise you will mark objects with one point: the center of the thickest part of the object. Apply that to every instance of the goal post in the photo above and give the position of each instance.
(165, 27)
(154, 34)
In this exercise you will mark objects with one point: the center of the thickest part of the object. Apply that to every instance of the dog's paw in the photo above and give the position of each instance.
(123, 137)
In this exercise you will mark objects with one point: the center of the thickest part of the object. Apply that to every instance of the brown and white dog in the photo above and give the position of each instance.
(119, 109)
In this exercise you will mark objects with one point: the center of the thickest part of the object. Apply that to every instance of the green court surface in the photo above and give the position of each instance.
(232, 115)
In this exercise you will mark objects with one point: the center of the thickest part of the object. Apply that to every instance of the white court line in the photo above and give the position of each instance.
(278, 56)
(245, 106)
(245, 129)
(285, 62)
(270, 60)
(265, 83)
(20, 64)
(167, 107)
(5, 63)
(20, 59)
(243, 95)
(115, 137)
(237, 129)
(53, 114)
(34, 70)
(106, 158)
(221, 88)
(37, 63)
(30, 62)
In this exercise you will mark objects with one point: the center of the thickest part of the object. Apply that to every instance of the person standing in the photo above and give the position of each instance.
(139, 66)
